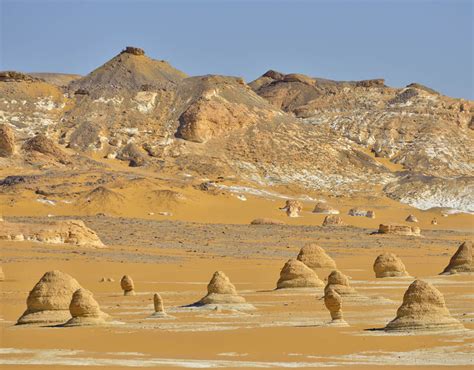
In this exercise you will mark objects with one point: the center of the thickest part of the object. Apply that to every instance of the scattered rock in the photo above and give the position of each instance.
(48, 301)
(296, 274)
(361, 213)
(333, 302)
(127, 285)
(411, 218)
(292, 208)
(423, 308)
(7, 141)
(266, 221)
(340, 283)
(399, 230)
(333, 220)
(461, 261)
(315, 257)
(85, 310)
(389, 265)
(325, 209)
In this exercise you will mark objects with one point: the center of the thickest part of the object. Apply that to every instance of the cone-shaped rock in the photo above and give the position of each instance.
(159, 307)
(423, 308)
(221, 291)
(461, 261)
(389, 265)
(411, 218)
(296, 274)
(48, 302)
(85, 310)
(339, 282)
(127, 285)
(315, 257)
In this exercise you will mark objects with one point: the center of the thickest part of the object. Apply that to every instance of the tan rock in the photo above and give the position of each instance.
(423, 308)
(48, 301)
(325, 209)
(411, 218)
(389, 265)
(220, 291)
(159, 307)
(461, 261)
(434, 221)
(333, 302)
(296, 274)
(85, 310)
(340, 283)
(2, 274)
(333, 220)
(313, 256)
(127, 285)
(43, 145)
(293, 208)
(7, 141)
(361, 213)
(399, 230)
(266, 221)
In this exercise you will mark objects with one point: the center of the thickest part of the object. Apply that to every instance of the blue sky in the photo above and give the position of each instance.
(430, 42)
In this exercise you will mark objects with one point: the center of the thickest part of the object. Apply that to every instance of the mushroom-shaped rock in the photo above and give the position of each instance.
(127, 285)
(389, 265)
(411, 218)
(332, 220)
(159, 307)
(423, 308)
(325, 209)
(461, 261)
(85, 310)
(399, 230)
(340, 283)
(313, 256)
(220, 291)
(296, 274)
(48, 301)
(333, 302)
(293, 208)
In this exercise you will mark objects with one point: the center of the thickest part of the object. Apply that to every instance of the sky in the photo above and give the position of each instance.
(403, 41)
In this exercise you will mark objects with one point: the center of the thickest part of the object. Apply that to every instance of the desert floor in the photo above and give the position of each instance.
(287, 329)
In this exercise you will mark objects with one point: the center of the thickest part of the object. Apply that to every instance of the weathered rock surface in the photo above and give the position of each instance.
(324, 208)
(461, 261)
(315, 257)
(389, 265)
(333, 220)
(127, 285)
(292, 208)
(7, 141)
(333, 302)
(339, 282)
(399, 230)
(296, 274)
(85, 311)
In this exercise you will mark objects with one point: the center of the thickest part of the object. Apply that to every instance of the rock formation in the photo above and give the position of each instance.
(361, 213)
(48, 301)
(293, 208)
(2, 274)
(85, 310)
(333, 220)
(389, 265)
(41, 144)
(133, 50)
(333, 302)
(423, 308)
(434, 221)
(220, 291)
(313, 256)
(411, 218)
(127, 285)
(340, 283)
(296, 274)
(399, 230)
(266, 221)
(325, 209)
(7, 141)
(461, 261)
(159, 307)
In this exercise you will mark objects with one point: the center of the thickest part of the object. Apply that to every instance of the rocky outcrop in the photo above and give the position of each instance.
(423, 308)
(315, 257)
(361, 213)
(85, 311)
(41, 144)
(333, 220)
(127, 285)
(48, 301)
(325, 209)
(461, 261)
(292, 208)
(389, 265)
(13, 76)
(296, 274)
(339, 282)
(399, 230)
(133, 50)
(7, 141)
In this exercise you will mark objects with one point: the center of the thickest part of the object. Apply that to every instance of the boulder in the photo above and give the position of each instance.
(333, 302)
(339, 282)
(389, 265)
(411, 218)
(325, 209)
(333, 220)
(85, 311)
(292, 208)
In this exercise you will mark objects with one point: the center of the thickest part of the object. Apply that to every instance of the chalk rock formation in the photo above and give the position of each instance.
(313, 256)
(266, 221)
(325, 209)
(333, 302)
(7, 141)
(399, 230)
(340, 283)
(159, 307)
(296, 274)
(85, 310)
(423, 308)
(220, 291)
(127, 285)
(411, 218)
(461, 261)
(361, 213)
(293, 208)
(389, 265)
(48, 301)
(332, 220)
(2, 274)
